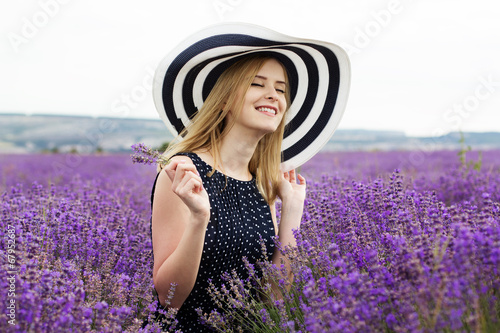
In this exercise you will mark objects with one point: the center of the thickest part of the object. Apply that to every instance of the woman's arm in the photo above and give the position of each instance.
(292, 195)
(181, 211)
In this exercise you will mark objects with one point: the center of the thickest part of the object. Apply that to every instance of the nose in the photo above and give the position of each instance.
(272, 94)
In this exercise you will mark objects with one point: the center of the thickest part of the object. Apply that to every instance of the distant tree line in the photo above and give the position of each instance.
(97, 150)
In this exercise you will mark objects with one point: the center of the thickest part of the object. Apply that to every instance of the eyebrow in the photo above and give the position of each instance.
(265, 78)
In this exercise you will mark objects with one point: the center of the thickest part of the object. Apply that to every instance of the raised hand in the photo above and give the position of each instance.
(290, 190)
(187, 185)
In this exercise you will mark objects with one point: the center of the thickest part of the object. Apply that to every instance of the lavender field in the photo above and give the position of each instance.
(390, 242)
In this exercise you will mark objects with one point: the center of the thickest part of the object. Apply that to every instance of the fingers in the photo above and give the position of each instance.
(189, 183)
(302, 180)
(184, 177)
(171, 167)
(292, 177)
(181, 166)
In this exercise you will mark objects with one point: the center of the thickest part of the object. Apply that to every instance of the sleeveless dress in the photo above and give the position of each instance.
(239, 219)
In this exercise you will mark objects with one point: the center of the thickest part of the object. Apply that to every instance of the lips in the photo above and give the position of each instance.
(267, 110)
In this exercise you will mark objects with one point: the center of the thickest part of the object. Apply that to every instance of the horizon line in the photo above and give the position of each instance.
(25, 114)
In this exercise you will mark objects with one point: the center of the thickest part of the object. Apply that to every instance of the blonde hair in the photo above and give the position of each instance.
(208, 126)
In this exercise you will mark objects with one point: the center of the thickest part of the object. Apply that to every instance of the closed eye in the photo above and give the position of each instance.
(281, 91)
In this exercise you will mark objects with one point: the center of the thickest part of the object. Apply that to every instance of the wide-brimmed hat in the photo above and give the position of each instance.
(318, 72)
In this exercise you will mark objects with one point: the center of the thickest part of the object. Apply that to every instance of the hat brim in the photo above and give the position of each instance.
(319, 75)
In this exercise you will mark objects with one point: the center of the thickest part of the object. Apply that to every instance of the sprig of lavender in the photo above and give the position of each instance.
(147, 155)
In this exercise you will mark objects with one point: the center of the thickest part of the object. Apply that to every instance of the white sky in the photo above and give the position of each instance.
(425, 67)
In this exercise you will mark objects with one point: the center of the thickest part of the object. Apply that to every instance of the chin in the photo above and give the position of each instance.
(270, 130)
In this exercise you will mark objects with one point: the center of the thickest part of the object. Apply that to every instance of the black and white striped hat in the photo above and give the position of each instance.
(319, 75)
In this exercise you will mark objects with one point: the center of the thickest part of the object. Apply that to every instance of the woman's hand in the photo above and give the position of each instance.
(291, 191)
(187, 185)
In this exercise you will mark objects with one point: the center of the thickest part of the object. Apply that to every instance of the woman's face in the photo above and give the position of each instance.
(264, 103)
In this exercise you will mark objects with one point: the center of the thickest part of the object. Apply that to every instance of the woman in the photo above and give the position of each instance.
(213, 204)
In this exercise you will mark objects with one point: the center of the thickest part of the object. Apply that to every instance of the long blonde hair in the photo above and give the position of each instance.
(208, 126)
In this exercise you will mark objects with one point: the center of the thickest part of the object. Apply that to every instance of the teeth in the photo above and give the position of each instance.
(264, 109)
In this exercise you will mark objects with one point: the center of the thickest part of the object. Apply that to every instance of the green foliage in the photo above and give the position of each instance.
(163, 147)
(462, 154)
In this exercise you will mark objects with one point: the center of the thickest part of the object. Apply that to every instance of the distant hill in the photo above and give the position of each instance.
(36, 133)
(20, 133)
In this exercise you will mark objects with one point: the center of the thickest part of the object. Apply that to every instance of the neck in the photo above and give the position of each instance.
(236, 151)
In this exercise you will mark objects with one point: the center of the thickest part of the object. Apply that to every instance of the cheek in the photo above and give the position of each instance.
(283, 105)
(282, 116)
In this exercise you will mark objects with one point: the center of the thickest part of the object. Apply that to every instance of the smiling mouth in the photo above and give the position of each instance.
(266, 110)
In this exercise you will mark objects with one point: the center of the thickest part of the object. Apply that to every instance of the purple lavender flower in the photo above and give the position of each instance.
(147, 155)
(413, 250)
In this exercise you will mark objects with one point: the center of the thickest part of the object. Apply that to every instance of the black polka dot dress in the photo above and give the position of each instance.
(239, 219)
